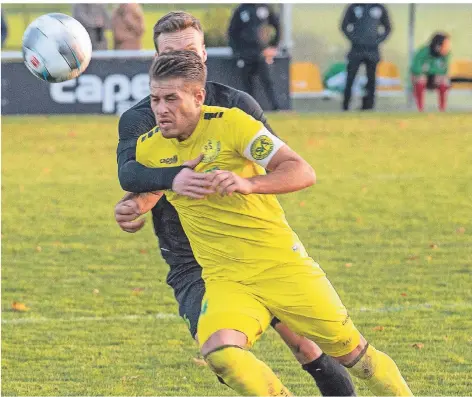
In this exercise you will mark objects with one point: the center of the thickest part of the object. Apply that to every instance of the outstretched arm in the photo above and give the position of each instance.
(289, 173)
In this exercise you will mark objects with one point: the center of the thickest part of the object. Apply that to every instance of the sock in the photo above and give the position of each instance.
(418, 93)
(442, 90)
(244, 373)
(331, 377)
(380, 373)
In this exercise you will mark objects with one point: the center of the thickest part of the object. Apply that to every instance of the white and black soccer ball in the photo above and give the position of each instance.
(56, 48)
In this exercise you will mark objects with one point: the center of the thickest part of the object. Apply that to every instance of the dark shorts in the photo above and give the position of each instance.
(189, 295)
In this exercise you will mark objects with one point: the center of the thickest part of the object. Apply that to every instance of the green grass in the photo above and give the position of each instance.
(316, 33)
(392, 199)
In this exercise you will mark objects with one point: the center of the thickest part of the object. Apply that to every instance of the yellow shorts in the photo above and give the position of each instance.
(298, 294)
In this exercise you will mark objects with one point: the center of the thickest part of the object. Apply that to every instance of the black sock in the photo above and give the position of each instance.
(331, 377)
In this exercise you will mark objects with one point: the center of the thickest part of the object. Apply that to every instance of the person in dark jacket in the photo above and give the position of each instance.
(366, 26)
(4, 29)
(252, 46)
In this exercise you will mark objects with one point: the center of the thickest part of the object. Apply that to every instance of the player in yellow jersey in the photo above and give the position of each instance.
(254, 265)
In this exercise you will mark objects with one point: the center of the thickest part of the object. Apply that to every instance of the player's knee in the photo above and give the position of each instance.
(224, 338)
(222, 360)
(307, 351)
(421, 79)
(355, 355)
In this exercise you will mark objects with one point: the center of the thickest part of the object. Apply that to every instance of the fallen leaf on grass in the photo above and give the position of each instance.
(412, 257)
(378, 328)
(348, 265)
(72, 134)
(19, 307)
(127, 378)
(434, 246)
(137, 291)
(95, 291)
(199, 361)
(403, 294)
(417, 345)
(302, 203)
(38, 248)
(402, 124)
(142, 251)
(460, 230)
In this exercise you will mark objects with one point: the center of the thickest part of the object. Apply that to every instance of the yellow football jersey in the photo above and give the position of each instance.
(233, 237)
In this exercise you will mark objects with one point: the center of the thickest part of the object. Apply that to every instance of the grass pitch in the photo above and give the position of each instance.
(389, 221)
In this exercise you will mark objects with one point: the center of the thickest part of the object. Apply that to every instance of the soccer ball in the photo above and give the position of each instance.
(56, 48)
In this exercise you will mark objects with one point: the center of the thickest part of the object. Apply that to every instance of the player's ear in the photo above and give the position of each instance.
(200, 94)
(204, 54)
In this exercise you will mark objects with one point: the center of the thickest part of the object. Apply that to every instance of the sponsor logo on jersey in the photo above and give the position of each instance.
(262, 147)
(169, 160)
(211, 149)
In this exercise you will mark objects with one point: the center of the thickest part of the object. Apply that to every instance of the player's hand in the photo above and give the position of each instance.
(190, 183)
(269, 54)
(126, 213)
(227, 182)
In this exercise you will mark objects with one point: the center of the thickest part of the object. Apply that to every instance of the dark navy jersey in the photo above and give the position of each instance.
(173, 243)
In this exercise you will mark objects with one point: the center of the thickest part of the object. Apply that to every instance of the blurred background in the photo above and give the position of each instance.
(315, 38)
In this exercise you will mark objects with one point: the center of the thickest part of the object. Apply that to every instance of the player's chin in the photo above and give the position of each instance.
(168, 132)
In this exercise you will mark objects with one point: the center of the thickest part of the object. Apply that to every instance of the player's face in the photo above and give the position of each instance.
(188, 39)
(176, 105)
(446, 47)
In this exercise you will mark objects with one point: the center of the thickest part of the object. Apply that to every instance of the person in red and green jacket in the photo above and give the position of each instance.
(429, 70)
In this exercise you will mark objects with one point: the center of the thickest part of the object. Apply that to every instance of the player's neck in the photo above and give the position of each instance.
(192, 126)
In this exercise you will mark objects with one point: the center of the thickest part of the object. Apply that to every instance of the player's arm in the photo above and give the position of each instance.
(234, 30)
(135, 177)
(348, 19)
(274, 20)
(418, 61)
(385, 21)
(131, 207)
(289, 171)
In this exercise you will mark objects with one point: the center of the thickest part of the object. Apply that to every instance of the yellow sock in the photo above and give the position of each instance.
(381, 374)
(244, 373)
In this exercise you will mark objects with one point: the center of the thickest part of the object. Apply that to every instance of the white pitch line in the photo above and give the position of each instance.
(131, 317)
(160, 316)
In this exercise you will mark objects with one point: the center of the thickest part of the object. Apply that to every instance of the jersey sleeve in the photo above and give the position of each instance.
(135, 177)
(252, 139)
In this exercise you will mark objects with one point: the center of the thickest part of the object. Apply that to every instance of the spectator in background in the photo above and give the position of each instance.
(366, 26)
(96, 21)
(429, 70)
(4, 29)
(128, 26)
(250, 41)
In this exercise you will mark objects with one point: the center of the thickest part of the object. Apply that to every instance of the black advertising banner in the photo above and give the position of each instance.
(110, 86)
